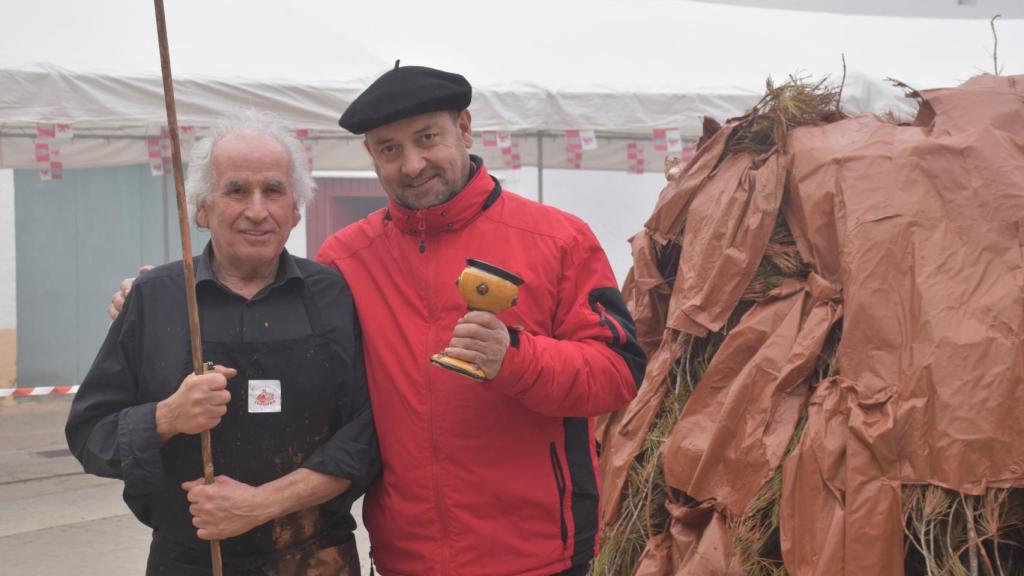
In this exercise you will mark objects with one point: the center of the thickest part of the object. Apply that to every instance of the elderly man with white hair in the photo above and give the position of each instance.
(287, 403)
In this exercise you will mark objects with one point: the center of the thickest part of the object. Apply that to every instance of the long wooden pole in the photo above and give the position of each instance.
(186, 250)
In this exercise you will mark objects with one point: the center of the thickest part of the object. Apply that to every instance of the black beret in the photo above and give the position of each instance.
(403, 92)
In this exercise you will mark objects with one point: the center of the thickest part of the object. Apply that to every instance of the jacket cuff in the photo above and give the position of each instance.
(139, 450)
(516, 365)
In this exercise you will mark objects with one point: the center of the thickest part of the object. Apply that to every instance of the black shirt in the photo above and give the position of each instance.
(111, 428)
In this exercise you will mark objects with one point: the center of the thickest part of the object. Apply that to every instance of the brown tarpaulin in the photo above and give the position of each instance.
(921, 225)
(913, 234)
(697, 542)
(734, 430)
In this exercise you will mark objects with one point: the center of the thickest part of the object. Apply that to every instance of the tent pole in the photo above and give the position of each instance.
(540, 167)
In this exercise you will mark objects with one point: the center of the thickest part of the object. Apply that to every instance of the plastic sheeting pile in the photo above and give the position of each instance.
(913, 235)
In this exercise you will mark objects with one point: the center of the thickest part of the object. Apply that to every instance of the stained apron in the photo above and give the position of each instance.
(256, 448)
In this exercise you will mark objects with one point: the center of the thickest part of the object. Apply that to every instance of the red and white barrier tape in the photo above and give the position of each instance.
(38, 391)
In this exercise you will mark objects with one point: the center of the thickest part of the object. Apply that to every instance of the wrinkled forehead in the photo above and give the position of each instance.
(250, 153)
(252, 142)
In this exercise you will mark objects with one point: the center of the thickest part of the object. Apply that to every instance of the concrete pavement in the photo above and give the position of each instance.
(56, 520)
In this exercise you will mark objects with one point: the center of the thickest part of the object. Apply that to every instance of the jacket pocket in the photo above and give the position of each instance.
(559, 474)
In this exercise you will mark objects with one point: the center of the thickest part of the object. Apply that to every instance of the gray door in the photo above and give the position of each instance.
(76, 239)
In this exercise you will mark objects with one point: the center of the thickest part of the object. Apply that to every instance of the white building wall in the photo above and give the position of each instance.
(8, 283)
(8, 293)
(614, 204)
(296, 244)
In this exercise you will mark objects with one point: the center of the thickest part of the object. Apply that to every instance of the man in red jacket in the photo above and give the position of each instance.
(492, 477)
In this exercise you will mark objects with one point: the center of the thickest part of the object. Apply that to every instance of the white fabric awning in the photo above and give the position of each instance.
(619, 67)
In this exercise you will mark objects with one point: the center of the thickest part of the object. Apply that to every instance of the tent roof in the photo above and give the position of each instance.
(621, 67)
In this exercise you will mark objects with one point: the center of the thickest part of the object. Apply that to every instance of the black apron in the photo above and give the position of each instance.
(256, 448)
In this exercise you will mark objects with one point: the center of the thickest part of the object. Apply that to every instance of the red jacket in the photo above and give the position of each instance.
(498, 477)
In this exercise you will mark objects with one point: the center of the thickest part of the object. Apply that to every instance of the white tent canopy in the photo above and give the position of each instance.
(619, 67)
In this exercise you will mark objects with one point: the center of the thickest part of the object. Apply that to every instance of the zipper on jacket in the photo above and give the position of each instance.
(421, 226)
(556, 468)
(432, 405)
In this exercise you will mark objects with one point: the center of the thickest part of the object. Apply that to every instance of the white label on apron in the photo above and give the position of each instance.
(264, 396)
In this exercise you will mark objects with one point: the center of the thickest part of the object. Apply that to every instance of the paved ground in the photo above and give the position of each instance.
(53, 518)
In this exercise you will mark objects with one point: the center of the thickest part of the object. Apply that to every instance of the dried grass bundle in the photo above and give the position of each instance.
(952, 534)
(793, 104)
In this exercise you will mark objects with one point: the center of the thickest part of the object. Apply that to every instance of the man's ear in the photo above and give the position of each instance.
(202, 218)
(464, 122)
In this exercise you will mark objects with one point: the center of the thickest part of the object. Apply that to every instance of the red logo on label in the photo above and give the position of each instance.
(265, 398)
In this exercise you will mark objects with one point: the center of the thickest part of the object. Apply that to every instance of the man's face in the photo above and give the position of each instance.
(422, 161)
(252, 210)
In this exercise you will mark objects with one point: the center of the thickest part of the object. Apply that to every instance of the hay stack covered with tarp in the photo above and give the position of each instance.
(833, 310)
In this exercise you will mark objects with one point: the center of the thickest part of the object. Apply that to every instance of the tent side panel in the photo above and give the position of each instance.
(77, 238)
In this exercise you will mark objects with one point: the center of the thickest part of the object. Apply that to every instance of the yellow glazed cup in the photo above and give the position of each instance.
(487, 287)
(484, 287)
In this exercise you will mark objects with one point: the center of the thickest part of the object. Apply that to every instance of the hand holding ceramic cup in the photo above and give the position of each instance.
(484, 287)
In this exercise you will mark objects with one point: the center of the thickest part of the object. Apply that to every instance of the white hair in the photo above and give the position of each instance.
(201, 177)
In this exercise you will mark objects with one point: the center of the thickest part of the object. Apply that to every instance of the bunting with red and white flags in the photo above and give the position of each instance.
(588, 140)
(45, 132)
(511, 156)
(63, 131)
(158, 147)
(497, 139)
(635, 158)
(573, 148)
(574, 158)
(158, 150)
(667, 140)
(572, 141)
(47, 168)
(47, 149)
(576, 141)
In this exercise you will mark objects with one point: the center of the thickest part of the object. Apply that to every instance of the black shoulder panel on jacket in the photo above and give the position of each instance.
(609, 305)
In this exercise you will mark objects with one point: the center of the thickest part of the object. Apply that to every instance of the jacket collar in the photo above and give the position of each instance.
(479, 194)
